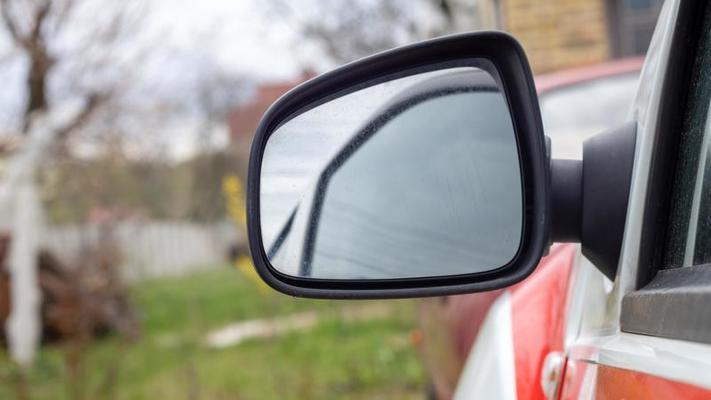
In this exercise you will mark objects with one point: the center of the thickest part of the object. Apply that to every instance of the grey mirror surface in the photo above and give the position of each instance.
(413, 177)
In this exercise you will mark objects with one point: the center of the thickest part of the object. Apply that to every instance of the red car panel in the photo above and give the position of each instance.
(612, 383)
(538, 316)
(450, 325)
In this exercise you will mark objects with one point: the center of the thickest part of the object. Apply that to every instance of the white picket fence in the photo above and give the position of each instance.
(150, 249)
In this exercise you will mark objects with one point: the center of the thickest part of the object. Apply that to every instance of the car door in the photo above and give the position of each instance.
(648, 334)
(450, 325)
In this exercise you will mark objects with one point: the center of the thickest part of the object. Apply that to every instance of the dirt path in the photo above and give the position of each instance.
(235, 333)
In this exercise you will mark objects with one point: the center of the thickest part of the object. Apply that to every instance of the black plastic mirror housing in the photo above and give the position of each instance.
(502, 56)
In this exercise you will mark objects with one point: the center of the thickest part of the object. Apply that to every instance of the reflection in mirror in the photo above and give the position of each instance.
(414, 177)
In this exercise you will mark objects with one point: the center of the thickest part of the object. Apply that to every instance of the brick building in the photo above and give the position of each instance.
(558, 34)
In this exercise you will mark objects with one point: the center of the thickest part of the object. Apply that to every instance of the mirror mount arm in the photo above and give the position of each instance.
(566, 200)
(589, 198)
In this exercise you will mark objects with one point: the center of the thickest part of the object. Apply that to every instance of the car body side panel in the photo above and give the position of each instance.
(617, 383)
(603, 382)
(538, 315)
(531, 328)
(450, 325)
(605, 363)
(489, 371)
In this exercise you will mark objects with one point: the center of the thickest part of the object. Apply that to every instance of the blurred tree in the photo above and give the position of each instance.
(349, 29)
(218, 94)
(94, 78)
(157, 186)
(77, 56)
(76, 51)
(100, 59)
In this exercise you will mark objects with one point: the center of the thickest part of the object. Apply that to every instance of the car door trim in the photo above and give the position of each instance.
(677, 360)
(667, 303)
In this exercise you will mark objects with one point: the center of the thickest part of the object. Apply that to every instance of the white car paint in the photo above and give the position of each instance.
(593, 332)
(489, 372)
(600, 340)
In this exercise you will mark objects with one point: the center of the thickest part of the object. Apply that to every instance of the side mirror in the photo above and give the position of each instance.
(415, 172)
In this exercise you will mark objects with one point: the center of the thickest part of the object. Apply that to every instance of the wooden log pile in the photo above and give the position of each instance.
(78, 304)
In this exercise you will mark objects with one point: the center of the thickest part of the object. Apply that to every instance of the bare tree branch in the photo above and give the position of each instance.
(40, 65)
(446, 8)
(349, 29)
(38, 20)
(9, 22)
(93, 103)
(61, 11)
(48, 34)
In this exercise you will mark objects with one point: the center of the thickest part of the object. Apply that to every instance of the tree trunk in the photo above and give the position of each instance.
(22, 216)
(24, 326)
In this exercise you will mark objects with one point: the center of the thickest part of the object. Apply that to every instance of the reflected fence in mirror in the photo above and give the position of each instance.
(413, 177)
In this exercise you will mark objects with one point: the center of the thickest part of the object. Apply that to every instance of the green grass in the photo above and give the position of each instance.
(211, 299)
(336, 359)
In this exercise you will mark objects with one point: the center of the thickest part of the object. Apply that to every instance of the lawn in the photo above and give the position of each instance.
(339, 358)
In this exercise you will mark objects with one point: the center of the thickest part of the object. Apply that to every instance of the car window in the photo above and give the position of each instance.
(689, 232)
(570, 116)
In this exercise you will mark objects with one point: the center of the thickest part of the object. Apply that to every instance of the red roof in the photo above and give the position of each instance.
(244, 120)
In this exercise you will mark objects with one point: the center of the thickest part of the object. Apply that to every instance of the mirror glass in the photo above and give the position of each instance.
(417, 176)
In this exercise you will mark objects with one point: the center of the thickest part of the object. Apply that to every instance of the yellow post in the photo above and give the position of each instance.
(234, 195)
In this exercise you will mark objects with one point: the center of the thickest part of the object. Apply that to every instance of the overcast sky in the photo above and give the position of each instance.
(240, 32)
(240, 36)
